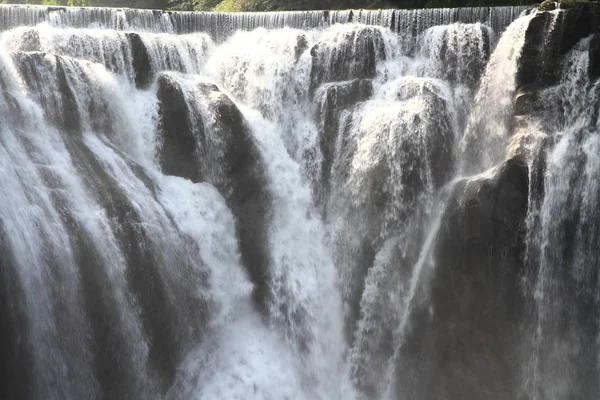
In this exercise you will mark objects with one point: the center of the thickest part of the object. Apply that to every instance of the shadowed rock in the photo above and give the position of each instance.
(141, 61)
(333, 100)
(178, 155)
(48, 83)
(465, 342)
(239, 174)
(15, 357)
(595, 57)
(218, 148)
(354, 55)
(387, 164)
(173, 316)
(549, 37)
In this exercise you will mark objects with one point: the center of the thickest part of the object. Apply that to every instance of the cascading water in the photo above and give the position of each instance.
(304, 205)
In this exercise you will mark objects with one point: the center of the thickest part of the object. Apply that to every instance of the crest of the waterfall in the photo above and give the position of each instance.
(221, 26)
(13, 16)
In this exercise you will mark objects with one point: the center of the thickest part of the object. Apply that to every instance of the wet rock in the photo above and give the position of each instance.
(172, 314)
(333, 100)
(578, 21)
(465, 342)
(57, 9)
(548, 5)
(550, 36)
(47, 79)
(354, 55)
(595, 57)
(141, 61)
(178, 155)
(436, 119)
(71, 120)
(301, 46)
(218, 148)
(29, 41)
(525, 98)
(238, 171)
(387, 164)
(464, 62)
(537, 62)
(15, 354)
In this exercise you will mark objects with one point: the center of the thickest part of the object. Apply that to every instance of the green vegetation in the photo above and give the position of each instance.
(549, 5)
(271, 5)
(154, 4)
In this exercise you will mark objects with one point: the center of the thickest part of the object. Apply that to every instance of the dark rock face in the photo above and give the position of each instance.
(301, 46)
(547, 40)
(387, 164)
(14, 352)
(173, 316)
(141, 61)
(537, 61)
(527, 101)
(178, 155)
(355, 57)
(238, 172)
(218, 148)
(467, 344)
(41, 73)
(335, 99)
(595, 57)
(466, 65)
(580, 20)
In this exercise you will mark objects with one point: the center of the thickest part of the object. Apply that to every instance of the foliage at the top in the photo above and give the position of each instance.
(153, 4)
(270, 5)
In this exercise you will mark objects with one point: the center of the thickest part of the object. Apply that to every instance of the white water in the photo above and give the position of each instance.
(333, 328)
(489, 123)
(560, 346)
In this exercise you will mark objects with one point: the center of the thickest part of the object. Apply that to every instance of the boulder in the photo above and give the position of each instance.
(595, 57)
(16, 357)
(353, 55)
(178, 155)
(464, 342)
(239, 174)
(207, 139)
(41, 70)
(140, 60)
(387, 164)
(333, 100)
(550, 36)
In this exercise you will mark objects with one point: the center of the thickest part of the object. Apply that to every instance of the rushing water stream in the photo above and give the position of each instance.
(302, 205)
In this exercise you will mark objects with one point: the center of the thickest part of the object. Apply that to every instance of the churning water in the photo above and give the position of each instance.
(273, 206)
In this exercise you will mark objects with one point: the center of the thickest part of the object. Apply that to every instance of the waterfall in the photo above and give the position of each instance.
(358, 204)
(223, 25)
